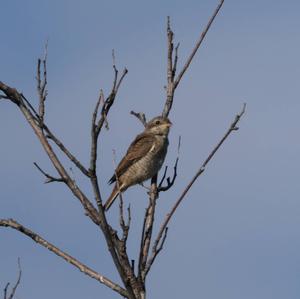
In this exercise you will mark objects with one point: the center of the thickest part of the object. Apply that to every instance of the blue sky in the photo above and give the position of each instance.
(237, 235)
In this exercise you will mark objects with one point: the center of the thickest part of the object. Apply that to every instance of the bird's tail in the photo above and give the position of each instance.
(112, 198)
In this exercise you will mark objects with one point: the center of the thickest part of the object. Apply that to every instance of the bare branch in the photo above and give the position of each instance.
(147, 230)
(233, 127)
(30, 113)
(163, 178)
(38, 117)
(140, 265)
(175, 61)
(42, 83)
(95, 113)
(93, 155)
(116, 247)
(10, 93)
(51, 136)
(125, 71)
(172, 66)
(156, 251)
(98, 217)
(62, 147)
(198, 44)
(13, 291)
(170, 74)
(170, 182)
(96, 129)
(113, 57)
(110, 100)
(82, 267)
(140, 116)
(149, 221)
(170, 35)
(133, 285)
(50, 178)
(125, 226)
(5, 290)
(31, 108)
(16, 97)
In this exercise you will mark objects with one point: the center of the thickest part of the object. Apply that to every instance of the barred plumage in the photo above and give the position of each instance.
(143, 159)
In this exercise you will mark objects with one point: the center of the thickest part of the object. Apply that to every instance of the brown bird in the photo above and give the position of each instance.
(143, 159)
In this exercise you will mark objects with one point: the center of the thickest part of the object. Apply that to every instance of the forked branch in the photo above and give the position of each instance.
(68, 258)
(147, 231)
(172, 83)
(145, 261)
(170, 182)
(17, 98)
(14, 288)
(42, 93)
(233, 127)
(198, 44)
(140, 116)
(49, 178)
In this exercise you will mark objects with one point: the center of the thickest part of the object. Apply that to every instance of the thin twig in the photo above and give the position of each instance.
(93, 155)
(170, 182)
(110, 99)
(62, 147)
(49, 177)
(5, 290)
(125, 71)
(198, 44)
(147, 230)
(157, 251)
(170, 73)
(37, 117)
(172, 65)
(140, 116)
(96, 129)
(14, 288)
(123, 226)
(170, 35)
(163, 177)
(233, 127)
(16, 97)
(95, 113)
(82, 267)
(115, 246)
(42, 83)
(175, 61)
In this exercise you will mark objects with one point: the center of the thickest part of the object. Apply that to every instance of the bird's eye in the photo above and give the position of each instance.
(157, 122)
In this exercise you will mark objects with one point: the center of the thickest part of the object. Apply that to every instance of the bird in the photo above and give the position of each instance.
(143, 159)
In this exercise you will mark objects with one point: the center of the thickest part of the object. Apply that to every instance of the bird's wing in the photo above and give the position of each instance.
(137, 150)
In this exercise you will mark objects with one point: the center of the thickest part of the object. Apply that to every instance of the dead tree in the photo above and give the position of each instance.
(133, 278)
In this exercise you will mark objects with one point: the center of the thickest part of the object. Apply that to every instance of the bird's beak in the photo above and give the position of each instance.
(169, 124)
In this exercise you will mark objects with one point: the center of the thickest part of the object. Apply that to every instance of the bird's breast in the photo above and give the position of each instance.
(149, 165)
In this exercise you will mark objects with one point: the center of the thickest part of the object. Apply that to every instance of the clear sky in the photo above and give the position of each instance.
(238, 233)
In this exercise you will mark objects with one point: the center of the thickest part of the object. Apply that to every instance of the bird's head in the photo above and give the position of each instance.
(159, 125)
